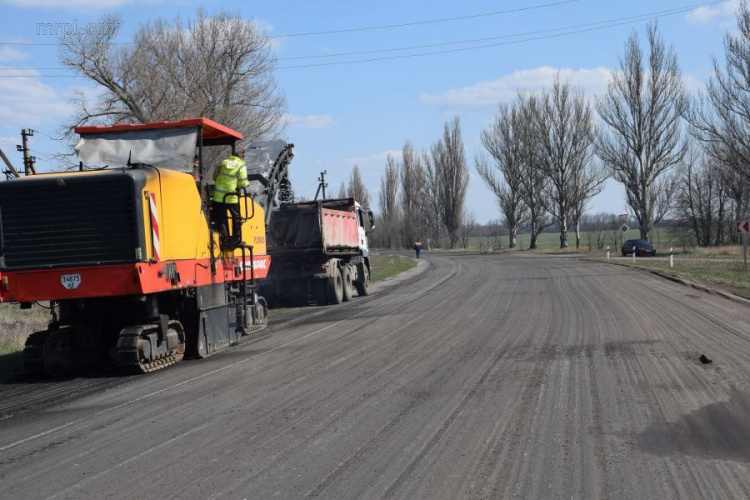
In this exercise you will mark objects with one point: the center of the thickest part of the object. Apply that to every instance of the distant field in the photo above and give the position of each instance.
(549, 241)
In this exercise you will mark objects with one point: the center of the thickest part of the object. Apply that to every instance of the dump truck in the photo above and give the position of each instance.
(318, 251)
(124, 251)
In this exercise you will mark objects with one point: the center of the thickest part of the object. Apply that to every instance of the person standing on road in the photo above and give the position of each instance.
(418, 247)
(230, 175)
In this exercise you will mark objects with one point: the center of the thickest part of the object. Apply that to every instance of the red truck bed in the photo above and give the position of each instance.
(326, 226)
(339, 229)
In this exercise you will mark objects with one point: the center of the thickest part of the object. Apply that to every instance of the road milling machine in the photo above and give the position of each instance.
(126, 255)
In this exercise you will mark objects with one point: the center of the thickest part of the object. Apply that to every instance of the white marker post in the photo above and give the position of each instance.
(633, 254)
(671, 256)
(608, 253)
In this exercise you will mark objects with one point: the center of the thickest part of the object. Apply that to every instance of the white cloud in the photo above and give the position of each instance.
(489, 94)
(309, 122)
(723, 12)
(9, 54)
(276, 44)
(374, 160)
(25, 100)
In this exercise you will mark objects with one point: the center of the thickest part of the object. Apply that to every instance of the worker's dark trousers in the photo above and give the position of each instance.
(221, 222)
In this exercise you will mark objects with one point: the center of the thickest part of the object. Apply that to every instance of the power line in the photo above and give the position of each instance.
(677, 10)
(369, 28)
(23, 126)
(639, 17)
(419, 23)
(568, 31)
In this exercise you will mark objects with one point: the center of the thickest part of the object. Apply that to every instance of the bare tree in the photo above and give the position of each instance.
(534, 180)
(412, 194)
(219, 66)
(736, 183)
(503, 142)
(357, 188)
(433, 213)
(388, 199)
(596, 227)
(721, 117)
(566, 137)
(588, 182)
(468, 227)
(342, 191)
(449, 157)
(642, 110)
(702, 199)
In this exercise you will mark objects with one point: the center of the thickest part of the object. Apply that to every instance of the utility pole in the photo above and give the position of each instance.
(11, 172)
(322, 184)
(28, 160)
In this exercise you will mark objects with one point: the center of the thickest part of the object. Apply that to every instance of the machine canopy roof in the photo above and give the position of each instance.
(162, 144)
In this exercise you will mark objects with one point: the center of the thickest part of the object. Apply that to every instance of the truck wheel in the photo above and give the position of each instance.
(335, 287)
(348, 284)
(363, 285)
(319, 292)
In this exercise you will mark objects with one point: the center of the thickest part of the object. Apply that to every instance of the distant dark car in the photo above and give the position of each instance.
(642, 247)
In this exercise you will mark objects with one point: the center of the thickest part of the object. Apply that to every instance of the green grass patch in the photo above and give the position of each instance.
(727, 274)
(385, 266)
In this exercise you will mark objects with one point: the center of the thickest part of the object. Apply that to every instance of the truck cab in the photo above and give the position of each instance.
(366, 224)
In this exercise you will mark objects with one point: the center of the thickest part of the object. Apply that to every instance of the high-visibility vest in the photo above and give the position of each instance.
(230, 175)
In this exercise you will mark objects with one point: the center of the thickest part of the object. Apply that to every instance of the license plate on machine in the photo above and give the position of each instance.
(70, 281)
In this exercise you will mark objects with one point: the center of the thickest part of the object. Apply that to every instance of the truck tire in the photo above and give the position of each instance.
(335, 287)
(319, 291)
(346, 274)
(363, 285)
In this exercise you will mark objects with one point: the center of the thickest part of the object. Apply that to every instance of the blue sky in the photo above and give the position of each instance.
(340, 115)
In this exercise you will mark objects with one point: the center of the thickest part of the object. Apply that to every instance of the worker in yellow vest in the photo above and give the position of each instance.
(230, 175)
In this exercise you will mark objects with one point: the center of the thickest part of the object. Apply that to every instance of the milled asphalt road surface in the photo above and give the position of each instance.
(483, 377)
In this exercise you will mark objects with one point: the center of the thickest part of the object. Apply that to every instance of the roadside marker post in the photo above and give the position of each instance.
(607, 252)
(671, 256)
(633, 254)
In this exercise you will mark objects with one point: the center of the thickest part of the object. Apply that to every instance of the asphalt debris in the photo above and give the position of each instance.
(705, 360)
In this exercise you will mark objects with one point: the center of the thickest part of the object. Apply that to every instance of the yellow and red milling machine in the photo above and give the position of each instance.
(124, 251)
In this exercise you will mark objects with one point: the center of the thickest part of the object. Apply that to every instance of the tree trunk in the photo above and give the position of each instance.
(512, 236)
(563, 233)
